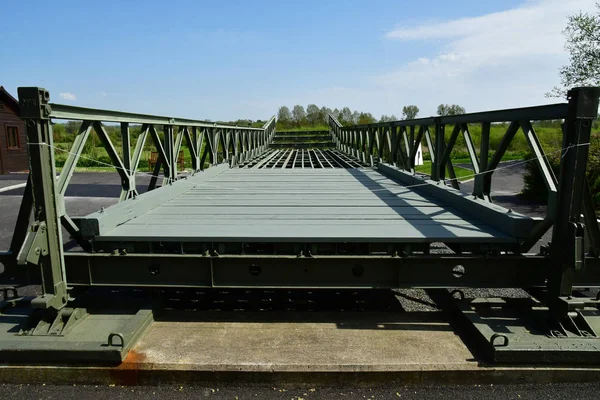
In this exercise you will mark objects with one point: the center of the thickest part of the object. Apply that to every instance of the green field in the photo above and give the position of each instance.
(462, 174)
(95, 157)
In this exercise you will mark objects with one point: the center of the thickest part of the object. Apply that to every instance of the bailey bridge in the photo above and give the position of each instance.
(343, 208)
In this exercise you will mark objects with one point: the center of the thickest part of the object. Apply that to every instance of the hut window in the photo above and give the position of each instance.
(12, 138)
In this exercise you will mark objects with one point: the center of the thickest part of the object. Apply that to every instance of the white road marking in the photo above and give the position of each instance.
(6, 189)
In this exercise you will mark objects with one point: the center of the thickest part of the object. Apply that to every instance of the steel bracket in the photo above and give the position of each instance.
(571, 303)
(576, 248)
(52, 322)
(89, 329)
(524, 330)
(35, 244)
(574, 325)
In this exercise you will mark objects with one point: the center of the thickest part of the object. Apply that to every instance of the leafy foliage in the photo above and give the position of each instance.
(535, 188)
(450, 109)
(410, 112)
(298, 114)
(583, 44)
(284, 115)
(386, 118)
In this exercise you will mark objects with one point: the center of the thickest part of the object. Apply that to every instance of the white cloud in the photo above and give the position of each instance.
(499, 60)
(68, 96)
(103, 94)
(532, 29)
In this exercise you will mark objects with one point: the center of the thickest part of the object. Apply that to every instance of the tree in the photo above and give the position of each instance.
(298, 114)
(365, 118)
(450, 109)
(59, 133)
(312, 114)
(583, 44)
(324, 115)
(385, 118)
(72, 127)
(410, 112)
(346, 116)
(337, 113)
(355, 117)
(284, 115)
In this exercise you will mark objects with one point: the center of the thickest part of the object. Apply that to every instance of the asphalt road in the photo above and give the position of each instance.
(507, 183)
(88, 192)
(91, 191)
(466, 392)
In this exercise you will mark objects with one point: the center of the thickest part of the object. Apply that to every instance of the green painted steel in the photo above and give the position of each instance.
(518, 330)
(44, 235)
(300, 158)
(567, 198)
(511, 223)
(310, 270)
(151, 218)
(103, 334)
(341, 209)
(73, 113)
(567, 250)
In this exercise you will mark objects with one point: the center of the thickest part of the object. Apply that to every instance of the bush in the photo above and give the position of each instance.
(535, 189)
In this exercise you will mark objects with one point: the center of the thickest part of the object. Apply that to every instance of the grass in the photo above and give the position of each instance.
(462, 174)
(304, 129)
(95, 157)
(90, 169)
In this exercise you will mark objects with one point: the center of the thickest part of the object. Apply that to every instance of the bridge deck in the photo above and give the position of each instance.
(301, 205)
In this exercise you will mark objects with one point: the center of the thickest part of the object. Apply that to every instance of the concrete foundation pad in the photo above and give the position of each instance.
(298, 348)
(309, 342)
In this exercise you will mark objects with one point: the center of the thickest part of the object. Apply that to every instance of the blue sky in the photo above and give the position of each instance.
(243, 59)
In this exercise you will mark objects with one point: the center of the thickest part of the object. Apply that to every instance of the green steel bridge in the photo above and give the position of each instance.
(343, 208)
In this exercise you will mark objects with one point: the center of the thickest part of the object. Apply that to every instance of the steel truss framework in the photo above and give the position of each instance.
(391, 147)
(396, 143)
(209, 144)
(37, 254)
(302, 158)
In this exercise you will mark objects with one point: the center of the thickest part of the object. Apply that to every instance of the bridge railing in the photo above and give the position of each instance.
(397, 142)
(208, 144)
(570, 212)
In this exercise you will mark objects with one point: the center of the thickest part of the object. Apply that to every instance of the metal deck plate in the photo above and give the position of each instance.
(296, 157)
(291, 205)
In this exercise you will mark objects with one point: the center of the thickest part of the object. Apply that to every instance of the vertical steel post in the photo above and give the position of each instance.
(170, 167)
(46, 227)
(411, 149)
(566, 249)
(479, 184)
(394, 145)
(196, 151)
(127, 186)
(437, 170)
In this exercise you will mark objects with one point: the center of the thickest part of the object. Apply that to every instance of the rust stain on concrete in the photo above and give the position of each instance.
(132, 361)
(126, 373)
